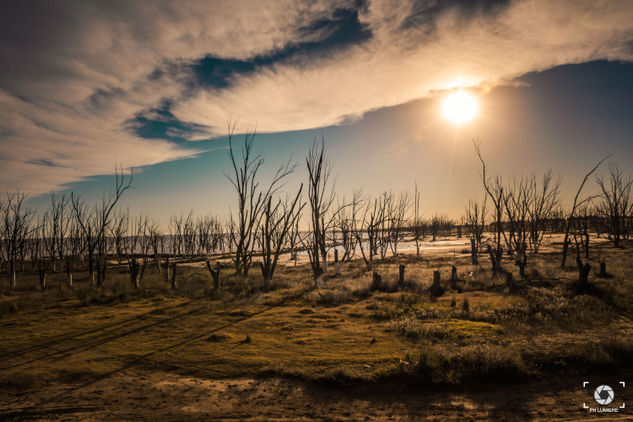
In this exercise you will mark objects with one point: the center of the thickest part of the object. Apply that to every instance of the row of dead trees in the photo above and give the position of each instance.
(523, 209)
(266, 223)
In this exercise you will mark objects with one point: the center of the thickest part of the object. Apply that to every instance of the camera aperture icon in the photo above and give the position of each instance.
(603, 395)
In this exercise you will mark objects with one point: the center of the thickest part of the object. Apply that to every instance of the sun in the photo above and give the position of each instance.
(459, 108)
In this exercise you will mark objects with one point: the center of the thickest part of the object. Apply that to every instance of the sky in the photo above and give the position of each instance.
(86, 86)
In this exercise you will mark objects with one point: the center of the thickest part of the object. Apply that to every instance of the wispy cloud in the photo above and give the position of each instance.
(82, 83)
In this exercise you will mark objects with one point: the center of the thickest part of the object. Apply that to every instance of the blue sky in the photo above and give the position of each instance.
(153, 85)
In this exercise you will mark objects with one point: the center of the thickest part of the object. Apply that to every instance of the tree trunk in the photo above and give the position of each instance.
(215, 274)
(166, 269)
(473, 251)
(436, 288)
(583, 271)
(69, 274)
(509, 281)
(134, 272)
(376, 282)
(42, 273)
(12, 277)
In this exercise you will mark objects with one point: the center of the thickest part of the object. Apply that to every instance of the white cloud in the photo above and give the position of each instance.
(74, 73)
(399, 66)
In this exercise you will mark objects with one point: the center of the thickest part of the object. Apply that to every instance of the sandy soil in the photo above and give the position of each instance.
(135, 395)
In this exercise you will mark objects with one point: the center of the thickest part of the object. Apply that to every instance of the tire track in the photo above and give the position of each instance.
(53, 341)
(113, 332)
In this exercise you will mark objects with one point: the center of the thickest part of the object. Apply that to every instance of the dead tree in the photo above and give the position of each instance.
(215, 273)
(277, 221)
(576, 204)
(16, 228)
(55, 229)
(118, 232)
(475, 223)
(369, 225)
(320, 198)
(398, 221)
(251, 198)
(496, 194)
(417, 224)
(344, 223)
(616, 197)
(94, 224)
(543, 200)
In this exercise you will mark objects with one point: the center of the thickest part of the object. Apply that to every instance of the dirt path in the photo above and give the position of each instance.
(136, 395)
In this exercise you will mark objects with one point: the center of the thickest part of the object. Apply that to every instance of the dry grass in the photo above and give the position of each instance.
(342, 333)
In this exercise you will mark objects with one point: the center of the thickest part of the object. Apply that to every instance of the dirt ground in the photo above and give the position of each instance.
(133, 395)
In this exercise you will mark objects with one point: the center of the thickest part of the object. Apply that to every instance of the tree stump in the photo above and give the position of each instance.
(319, 282)
(436, 288)
(215, 274)
(174, 270)
(42, 279)
(69, 274)
(509, 281)
(454, 278)
(401, 276)
(167, 269)
(376, 282)
(603, 271)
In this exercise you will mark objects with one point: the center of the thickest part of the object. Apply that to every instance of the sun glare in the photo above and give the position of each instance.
(459, 108)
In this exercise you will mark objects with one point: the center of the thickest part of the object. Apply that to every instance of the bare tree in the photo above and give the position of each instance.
(118, 232)
(398, 221)
(94, 224)
(576, 204)
(495, 191)
(277, 221)
(344, 222)
(417, 223)
(476, 224)
(320, 198)
(369, 224)
(616, 197)
(16, 228)
(251, 198)
(543, 200)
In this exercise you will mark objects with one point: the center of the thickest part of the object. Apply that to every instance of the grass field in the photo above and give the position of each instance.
(56, 344)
